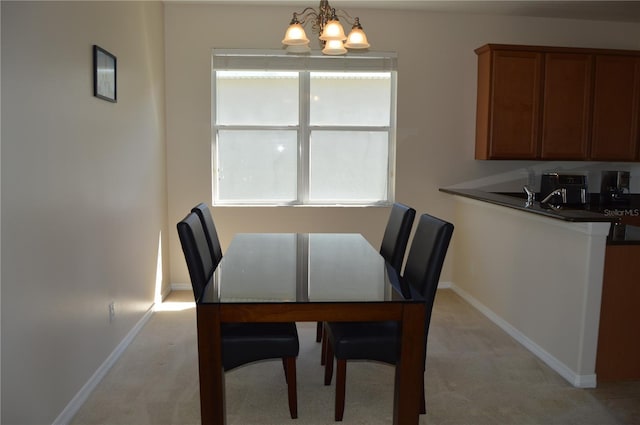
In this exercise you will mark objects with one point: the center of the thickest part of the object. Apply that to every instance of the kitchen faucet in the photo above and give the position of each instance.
(558, 192)
(531, 195)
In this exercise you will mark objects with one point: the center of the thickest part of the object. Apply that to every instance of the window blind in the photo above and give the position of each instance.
(278, 60)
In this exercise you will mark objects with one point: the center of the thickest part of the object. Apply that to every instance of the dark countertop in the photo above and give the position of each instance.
(620, 234)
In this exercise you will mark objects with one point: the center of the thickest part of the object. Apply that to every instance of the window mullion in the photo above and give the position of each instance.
(304, 134)
(391, 173)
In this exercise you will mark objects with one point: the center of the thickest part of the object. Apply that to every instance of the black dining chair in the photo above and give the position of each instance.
(203, 212)
(393, 247)
(380, 341)
(242, 343)
(396, 234)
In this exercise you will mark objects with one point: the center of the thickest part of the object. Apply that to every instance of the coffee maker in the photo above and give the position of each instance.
(614, 187)
(573, 189)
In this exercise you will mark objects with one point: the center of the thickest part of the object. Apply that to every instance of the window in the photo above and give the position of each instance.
(303, 130)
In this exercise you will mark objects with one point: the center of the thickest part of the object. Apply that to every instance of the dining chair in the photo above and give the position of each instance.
(392, 248)
(242, 343)
(380, 341)
(203, 212)
(396, 234)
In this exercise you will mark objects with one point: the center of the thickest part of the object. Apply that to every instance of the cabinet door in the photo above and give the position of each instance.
(616, 103)
(513, 105)
(618, 342)
(566, 106)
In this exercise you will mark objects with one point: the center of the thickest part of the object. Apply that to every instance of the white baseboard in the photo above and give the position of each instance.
(444, 285)
(580, 381)
(181, 287)
(166, 292)
(76, 402)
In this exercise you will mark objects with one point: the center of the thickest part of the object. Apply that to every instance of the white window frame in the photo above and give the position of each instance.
(276, 60)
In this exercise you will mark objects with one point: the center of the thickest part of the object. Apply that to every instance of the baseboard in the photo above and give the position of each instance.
(580, 381)
(444, 285)
(181, 287)
(166, 292)
(76, 403)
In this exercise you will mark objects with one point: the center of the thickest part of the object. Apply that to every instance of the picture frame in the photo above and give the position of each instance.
(104, 74)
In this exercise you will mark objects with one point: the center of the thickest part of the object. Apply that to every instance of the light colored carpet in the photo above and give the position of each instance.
(476, 374)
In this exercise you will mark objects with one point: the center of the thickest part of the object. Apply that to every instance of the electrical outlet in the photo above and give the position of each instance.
(112, 311)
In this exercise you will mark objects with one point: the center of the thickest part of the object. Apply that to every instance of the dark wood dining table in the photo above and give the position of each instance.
(296, 277)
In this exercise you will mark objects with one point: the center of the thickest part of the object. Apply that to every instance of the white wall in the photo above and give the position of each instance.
(539, 278)
(436, 106)
(83, 194)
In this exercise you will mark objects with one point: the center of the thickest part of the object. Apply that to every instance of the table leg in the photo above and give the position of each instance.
(211, 373)
(407, 392)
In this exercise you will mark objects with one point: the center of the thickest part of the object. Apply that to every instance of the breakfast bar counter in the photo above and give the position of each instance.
(536, 273)
(621, 233)
(512, 200)
(558, 280)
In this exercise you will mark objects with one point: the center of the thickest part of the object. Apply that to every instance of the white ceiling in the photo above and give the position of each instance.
(621, 11)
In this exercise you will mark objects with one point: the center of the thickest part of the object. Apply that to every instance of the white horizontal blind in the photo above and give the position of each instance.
(273, 60)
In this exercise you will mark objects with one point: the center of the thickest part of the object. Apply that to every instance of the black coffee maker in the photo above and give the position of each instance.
(568, 190)
(614, 188)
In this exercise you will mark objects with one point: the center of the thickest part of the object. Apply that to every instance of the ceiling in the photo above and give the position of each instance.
(619, 11)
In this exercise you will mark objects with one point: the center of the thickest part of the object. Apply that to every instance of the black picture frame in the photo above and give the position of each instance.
(104, 74)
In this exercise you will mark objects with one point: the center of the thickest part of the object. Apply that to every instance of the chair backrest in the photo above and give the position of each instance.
(196, 253)
(396, 234)
(426, 257)
(203, 212)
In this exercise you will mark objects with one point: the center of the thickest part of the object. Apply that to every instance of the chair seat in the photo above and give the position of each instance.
(249, 342)
(365, 340)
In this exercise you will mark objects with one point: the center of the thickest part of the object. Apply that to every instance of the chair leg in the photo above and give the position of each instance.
(323, 353)
(290, 372)
(341, 383)
(423, 402)
(328, 366)
(319, 328)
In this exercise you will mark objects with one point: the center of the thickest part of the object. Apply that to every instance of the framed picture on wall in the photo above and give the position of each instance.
(104, 75)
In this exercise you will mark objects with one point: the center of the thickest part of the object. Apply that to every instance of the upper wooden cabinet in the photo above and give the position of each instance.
(555, 103)
(616, 109)
(565, 106)
(508, 105)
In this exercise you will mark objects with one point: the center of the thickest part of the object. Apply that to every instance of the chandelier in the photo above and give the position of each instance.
(331, 34)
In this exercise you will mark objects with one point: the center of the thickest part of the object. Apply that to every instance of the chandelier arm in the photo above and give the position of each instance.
(305, 14)
(343, 14)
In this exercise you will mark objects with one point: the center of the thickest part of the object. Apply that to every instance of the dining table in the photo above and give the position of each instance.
(298, 277)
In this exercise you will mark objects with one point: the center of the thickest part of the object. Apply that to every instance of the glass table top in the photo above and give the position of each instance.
(304, 267)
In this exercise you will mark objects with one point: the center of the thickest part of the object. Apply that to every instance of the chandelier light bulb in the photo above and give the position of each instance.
(334, 47)
(333, 31)
(295, 35)
(357, 39)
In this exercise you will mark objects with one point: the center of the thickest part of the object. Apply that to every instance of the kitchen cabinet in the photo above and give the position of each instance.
(616, 108)
(618, 353)
(566, 106)
(508, 104)
(556, 103)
